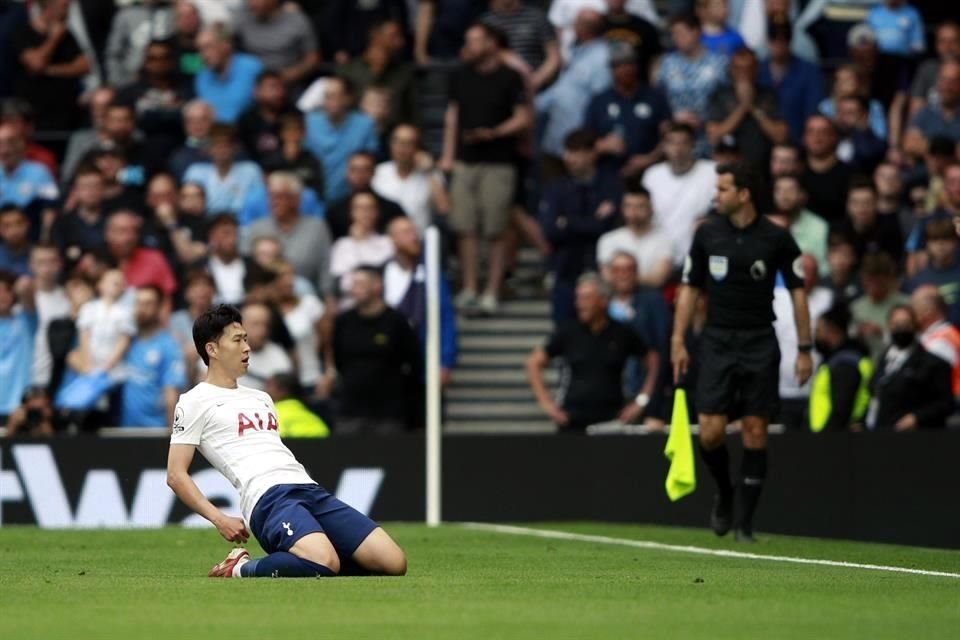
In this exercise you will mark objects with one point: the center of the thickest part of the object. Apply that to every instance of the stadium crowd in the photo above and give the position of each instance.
(160, 157)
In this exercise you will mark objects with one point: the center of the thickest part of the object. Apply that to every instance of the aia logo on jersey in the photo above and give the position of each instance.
(244, 422)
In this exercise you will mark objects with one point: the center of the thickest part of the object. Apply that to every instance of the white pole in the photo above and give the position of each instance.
(433, 276)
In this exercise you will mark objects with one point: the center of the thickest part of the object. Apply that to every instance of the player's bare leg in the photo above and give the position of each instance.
(753, 472)
(379, 554)
(713, 449)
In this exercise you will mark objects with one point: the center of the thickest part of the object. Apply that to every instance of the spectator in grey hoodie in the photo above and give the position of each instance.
(135, 27)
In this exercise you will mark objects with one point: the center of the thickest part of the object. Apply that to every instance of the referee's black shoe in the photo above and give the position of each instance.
(745, 536)
(721, 517)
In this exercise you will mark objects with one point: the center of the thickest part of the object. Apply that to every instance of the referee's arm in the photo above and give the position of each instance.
(801, 316)
(686, 303)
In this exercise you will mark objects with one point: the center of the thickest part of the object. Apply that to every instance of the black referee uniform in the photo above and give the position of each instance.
(739, 359)
(739, 354)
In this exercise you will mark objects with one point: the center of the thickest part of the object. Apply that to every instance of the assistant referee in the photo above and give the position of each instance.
(734, 261)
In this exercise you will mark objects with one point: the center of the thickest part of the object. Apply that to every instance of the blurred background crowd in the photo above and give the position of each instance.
(160, 157)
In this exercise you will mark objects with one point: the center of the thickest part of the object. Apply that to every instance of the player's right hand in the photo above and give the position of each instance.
(680, 359)
(233, 529)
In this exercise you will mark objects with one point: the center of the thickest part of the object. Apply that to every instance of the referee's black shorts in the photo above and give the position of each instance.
(739, 372)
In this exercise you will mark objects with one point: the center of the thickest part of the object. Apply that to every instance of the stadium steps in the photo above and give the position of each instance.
(489, 392)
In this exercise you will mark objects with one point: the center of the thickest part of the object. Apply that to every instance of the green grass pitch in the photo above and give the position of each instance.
(474, 584)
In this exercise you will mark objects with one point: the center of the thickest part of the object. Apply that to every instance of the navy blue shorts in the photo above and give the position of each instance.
(287, 512)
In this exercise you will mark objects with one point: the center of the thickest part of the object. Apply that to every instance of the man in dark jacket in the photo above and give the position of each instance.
(911, 387)
(576, 210)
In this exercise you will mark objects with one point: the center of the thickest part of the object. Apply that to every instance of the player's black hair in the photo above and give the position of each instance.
(210, 325)
(744, 177)
(838, 317)
(580, 140)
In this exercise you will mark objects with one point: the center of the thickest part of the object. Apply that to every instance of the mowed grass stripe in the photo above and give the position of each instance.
(722, 553)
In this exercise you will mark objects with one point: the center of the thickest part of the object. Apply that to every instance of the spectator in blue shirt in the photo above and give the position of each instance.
(26, 184)
(576, 210)
(17, 330)
(628, 117)
(943, 266)
(941, 120)
(899, 28)
(227, 79)
(15, 237)
(718, 36)
(336, 132)
(153, 367)
(798, 83)
(690, 74)
(229, 184)
(587, 73)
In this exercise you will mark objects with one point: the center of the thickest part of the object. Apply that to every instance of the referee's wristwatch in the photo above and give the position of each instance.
(642, 400)
(804, 348)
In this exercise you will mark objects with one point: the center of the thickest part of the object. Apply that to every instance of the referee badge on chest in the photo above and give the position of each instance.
(718, 267)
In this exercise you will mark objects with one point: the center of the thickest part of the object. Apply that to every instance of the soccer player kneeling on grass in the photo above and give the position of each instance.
(306, 531)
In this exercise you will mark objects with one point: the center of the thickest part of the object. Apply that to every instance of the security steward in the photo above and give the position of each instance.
(734, 261)
(840, 394)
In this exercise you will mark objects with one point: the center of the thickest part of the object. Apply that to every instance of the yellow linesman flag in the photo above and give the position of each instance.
(682, 477)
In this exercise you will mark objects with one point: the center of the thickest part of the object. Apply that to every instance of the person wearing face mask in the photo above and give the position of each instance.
(911, 387)
(840, 393)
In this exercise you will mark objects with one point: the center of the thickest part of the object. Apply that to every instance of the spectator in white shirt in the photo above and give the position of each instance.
(226, 265)
(639, 237)
(681, 188)
(267, 358)
(51, 302)
(410, 179)
(301, 315)
(363, 246)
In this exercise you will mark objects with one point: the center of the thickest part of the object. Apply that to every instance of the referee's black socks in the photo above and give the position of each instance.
(753, 471)
(718, 462)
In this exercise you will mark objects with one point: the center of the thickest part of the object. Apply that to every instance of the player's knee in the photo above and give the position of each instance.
(395, 563)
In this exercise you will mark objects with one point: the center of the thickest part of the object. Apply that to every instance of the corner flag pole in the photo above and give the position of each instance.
(433, 275)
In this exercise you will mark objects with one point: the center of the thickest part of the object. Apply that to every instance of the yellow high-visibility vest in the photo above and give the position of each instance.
(821, 405)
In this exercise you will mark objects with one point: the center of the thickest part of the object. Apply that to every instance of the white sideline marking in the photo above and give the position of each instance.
(723, 553)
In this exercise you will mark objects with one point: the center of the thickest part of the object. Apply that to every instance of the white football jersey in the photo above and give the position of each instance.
(236, 431)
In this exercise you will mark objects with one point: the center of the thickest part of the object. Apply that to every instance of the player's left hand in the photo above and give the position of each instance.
(232, 529)
(804, 367)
